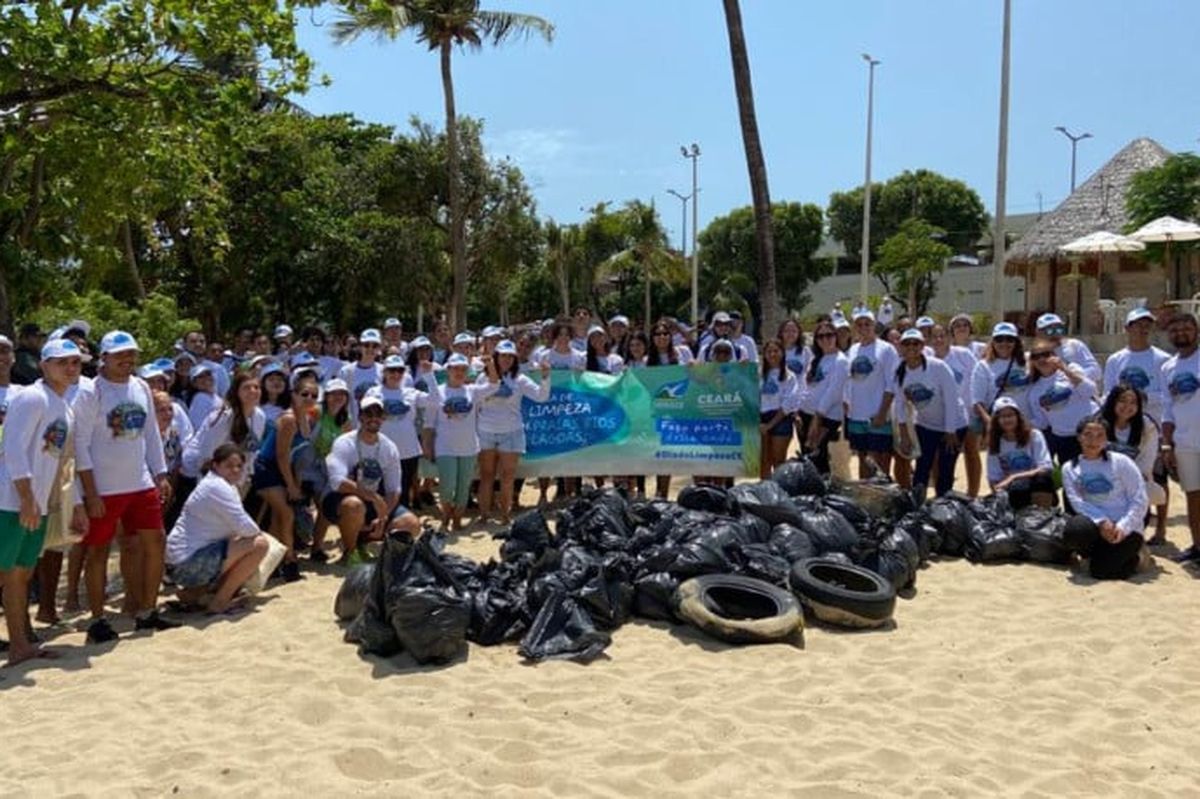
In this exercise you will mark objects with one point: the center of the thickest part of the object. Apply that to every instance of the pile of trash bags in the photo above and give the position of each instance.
(560, 593)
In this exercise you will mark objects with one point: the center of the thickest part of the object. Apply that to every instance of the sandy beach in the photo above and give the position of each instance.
(1006, 679)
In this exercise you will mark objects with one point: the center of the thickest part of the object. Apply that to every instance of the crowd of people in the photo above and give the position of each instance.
(191, 460)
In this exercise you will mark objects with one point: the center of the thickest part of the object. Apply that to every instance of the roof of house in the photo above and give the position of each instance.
(1098, 204)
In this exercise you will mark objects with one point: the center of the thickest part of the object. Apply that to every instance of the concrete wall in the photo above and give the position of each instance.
(959, 289)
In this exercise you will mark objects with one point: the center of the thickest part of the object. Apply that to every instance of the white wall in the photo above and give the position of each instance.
(959, 289)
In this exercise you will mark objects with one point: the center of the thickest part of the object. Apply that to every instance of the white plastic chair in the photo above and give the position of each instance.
(1110, 315)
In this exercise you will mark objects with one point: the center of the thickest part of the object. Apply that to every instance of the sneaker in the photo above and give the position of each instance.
(290, 571)
(153, 621)
(100, 631)
(1187, 555)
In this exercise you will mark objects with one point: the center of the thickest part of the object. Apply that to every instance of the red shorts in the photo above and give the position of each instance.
(137, 510)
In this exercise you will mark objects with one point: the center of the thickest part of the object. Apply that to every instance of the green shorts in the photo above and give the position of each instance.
(19, 548)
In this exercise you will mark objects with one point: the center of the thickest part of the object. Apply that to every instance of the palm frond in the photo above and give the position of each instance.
(380, 21)
(499, 26)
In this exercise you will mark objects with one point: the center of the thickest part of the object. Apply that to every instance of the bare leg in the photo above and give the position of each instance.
(283, 519)
(75, 558)
(543, 487)
(487, 482)
(131, 572)
(974, 464)
(352, 517)
(662, 485)
(508, 478)
(95, 575)
(241, 561)
(153, 547)
(903, 471)
(16, 616)
(779, 450)
(49, 570)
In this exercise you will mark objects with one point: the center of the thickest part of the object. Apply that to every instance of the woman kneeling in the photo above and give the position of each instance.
(215, 541)
(1108, 494)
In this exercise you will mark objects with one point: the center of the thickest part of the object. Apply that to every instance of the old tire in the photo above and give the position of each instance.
(739, 610)
(842, 594)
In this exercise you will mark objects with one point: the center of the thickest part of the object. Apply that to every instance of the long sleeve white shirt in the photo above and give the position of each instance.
(500, 412)
(933, 396)
(36, 432)
(213, 512)
(1109, 488)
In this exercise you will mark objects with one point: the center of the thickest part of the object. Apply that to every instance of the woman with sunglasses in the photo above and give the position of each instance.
(820, 396)
(927, 394)
(1060, 395)
(275, 479)
(1005, 374)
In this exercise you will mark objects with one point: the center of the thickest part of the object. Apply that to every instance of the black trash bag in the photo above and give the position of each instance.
(988, 541)
(768, 501)
(879, 497)
(601, 519)
(1041, 532)
(466, 572)
(559, 571)
(952, 519)
(791, 543)
(646, 537)
(756, 527)
(607, 595)
(799, 478)
(762, 562)
(896, 559)
(828, 529)
(657, 558)
(852, 512)
(353, 592)
(994, 509)
(708, 498)
(498, 607)
(529, 533)
(426, 606)
(563, 629)
(649, 511)
(927, 537)
(372, 629)
(687, 525)
(653, 596)
(708, 549)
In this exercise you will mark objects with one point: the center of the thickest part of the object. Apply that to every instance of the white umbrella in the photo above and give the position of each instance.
(1099, 242)
(1165, 230)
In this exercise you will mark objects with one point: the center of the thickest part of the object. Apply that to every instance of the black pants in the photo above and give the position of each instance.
(408, 480)
(1107, 561)
(1020, 492)
(819, 457)
(1063, 448)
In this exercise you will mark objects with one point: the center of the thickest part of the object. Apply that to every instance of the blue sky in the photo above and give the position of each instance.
(599, 114)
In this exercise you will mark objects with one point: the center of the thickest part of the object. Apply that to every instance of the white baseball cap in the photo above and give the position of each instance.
(1005, 329)
(420, 341)
(60, 348)
(1005, 402)
(492, 331)
(457, 359)
(863, 313)
(283, 331)
(117, 341)
(369, 401)
(370, 336)
(464, 338)
(5, 341)
(1137, 315)
(925, 321)
(721, 317)
(198, 370)
(336, 384)
(394, 362)
(391, 321)
(506, 347)
(912, 334)
(1049, 320)
(619, 319)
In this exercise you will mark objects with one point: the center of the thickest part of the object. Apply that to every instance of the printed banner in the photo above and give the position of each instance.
(700, 419)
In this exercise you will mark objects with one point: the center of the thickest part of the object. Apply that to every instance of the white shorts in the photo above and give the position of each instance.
(1188, 467)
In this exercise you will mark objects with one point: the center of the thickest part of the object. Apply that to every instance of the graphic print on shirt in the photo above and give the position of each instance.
(251, 446)
(172, 448)
(770, 387)
(918, 394)
(1015, 460)
(505, 390)
(861, 367)
(1123, 448)
(3, 410)
(1183, 385)
(454, 405)
(795, 364)
(1016, 379)
(1096, 485)
(818, 375)
(1135, 376)
(127, 420)
(369, 474)
(958, 376)
(393, 408)
(54, 438)
(361, 390)
(1055, 397)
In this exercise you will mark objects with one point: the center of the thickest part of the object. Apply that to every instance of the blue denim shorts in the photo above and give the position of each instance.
(512, 441)
(202, 568)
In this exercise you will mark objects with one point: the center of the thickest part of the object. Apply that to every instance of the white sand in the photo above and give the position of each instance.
(1013, 679)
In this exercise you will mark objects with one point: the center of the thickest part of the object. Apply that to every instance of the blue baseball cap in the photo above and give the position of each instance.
(272, 369)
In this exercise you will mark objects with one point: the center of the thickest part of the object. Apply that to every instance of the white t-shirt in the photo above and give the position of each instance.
(933, 397)
(116, 437)
(1003, 378)
(963, 363)
(821, 395)
(202, 404)
(373, 467)
(1013, 459)
(872, 373)
(749, 349)
(1181, 379)
(35, 436)
(424, 380)
(776, 394)
(500, 411)
(1074, 351)
(359, 380)
(1142, 370)
(400, 409)
(216, 430)
(450, 413)
(574, 359)
(1056, 404)
(331, 367)
(1109, 488)
(4, 396)
(213, 512)
(611, 364)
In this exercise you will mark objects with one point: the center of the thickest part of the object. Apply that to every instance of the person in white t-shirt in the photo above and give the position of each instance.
(120, 464)
(869, 393)
(1018, 459)
(215, 542)
(1181, 421)
(927, 394)
(36, 435)
(367, 372)
(7, 359)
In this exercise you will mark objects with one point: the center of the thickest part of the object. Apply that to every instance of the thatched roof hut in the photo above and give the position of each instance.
(1099, 204)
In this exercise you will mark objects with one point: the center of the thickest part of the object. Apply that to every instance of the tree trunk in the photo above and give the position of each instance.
(646, 279)
(757, 166)
(458, 239)
(564, 290)
(131, 260)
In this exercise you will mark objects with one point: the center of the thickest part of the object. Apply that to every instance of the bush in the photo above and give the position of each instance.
(155, 323)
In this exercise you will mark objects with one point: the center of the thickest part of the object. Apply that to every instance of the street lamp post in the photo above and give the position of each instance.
(1074, 143)
(866, 239)
(683, 199)
(694, 153)
(999, 243)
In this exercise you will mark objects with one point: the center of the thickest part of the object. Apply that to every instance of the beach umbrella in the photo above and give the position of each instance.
(1165, 230)
(1095, 243)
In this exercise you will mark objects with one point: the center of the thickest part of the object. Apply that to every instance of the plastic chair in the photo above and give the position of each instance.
(1109, 314)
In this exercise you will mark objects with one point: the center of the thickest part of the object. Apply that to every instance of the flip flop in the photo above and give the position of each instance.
(1188, 555)
(236, 609)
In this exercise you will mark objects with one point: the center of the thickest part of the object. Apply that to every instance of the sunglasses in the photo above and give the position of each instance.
(308, 394)
(820, 336)
(661, 333)
(1040, 356)
(1004, 340)
(911, 344)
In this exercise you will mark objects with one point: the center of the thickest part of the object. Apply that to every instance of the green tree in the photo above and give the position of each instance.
(156, 323)
(645, 257)
(910, 262)
(1172, 189)
(728, 264)
(942, 202)
(756, 164)
(441, 25)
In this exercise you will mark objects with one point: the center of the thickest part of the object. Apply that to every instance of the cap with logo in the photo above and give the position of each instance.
(457, 359)
(394, 362)
(283, 331)
(506, 347)
(60, 348)
(420, 341)
(370, 336)
(721, 318)
(925, 321)
(117, 341)
(336, 384)
(1050, 320)
(863, 313)
(370, 401)
(1003, 329)
(619, 319)
(463, 338)
(199, 370)
(1137, 315)
(1005, 402)
(912, 334)
(391, 321)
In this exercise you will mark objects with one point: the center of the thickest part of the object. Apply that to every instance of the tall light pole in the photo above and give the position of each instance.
(1074, 143)
(694, 153)
(866, 240)
(683, 199)
(998, 241)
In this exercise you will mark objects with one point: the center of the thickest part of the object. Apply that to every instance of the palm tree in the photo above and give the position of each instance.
(440, 25)
(757, 165)
(647, 253)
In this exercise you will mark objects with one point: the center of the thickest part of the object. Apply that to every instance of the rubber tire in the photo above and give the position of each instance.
(859, 598)
(698, 601)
